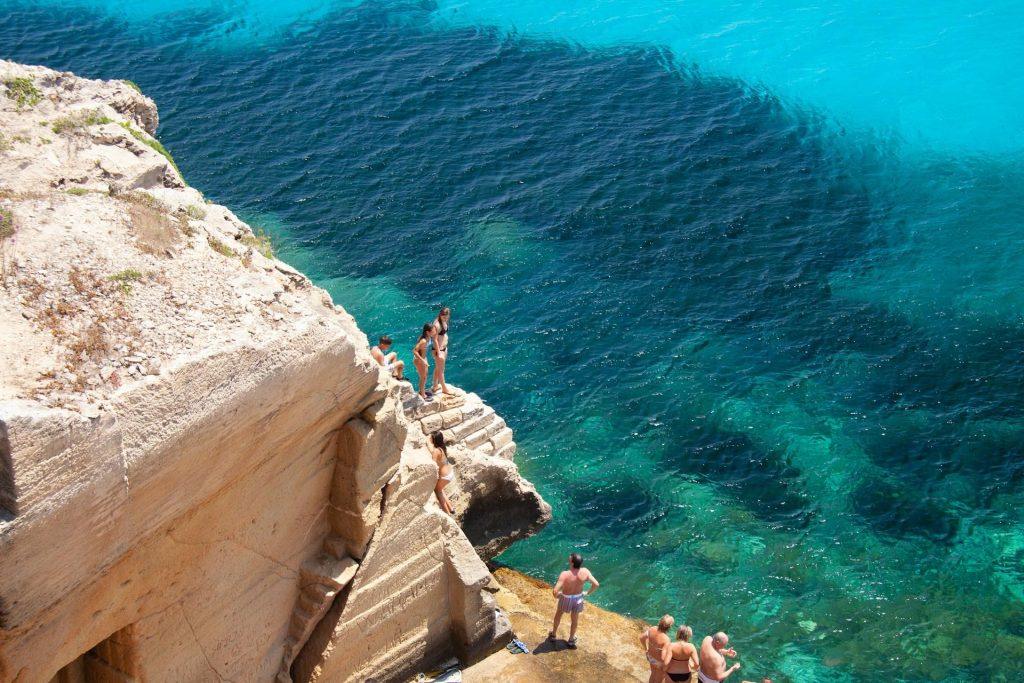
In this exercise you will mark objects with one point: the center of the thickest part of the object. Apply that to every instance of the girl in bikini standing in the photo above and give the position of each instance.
(441, 348)
(684, 657)
(419, 357)
(445, 473)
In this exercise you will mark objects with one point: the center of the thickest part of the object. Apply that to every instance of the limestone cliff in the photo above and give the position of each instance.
(203, 474)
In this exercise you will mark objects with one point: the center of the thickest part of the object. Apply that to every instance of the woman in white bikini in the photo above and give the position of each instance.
(420, 352)
(657, 646)
(441, 348)
(445, 472)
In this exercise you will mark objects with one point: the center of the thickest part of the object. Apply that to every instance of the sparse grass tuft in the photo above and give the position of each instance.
(5, 144)
(77, 191)
(23, 91)
(6, 224)
(220, 247)
(6, 230)
(196, 213)
(186, 229)
(77, 121)
(155, 232)
(152, 143)
(21, 138)
(141, 198)
(133, 85)
(125, 279)
(260, 241)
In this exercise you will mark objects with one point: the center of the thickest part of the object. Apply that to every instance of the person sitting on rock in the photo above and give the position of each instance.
(445, 473)
(569, 592)
(420, 352)
(712, 659)
(657, 647)
(389, 361)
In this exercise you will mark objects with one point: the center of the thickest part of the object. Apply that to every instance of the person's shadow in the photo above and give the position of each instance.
(551, 645)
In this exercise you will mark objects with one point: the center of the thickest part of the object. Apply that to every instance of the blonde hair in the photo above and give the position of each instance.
(684, 633)
(665, 623)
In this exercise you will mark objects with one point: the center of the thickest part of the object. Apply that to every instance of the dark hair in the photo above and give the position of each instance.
(576, 560)
(444, 309)
(437, 438)
(384, 340)
(426, 328)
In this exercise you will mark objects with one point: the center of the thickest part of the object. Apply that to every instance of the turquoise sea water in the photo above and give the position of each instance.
(744, 277)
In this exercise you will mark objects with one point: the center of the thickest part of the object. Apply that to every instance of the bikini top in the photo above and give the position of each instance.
(443, 328)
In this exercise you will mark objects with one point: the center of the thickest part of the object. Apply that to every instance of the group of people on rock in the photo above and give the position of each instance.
(432, 342)
(669, 661)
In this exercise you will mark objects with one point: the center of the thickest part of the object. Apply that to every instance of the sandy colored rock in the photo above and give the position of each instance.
(609, 646)
(203, 474)
(493, 503)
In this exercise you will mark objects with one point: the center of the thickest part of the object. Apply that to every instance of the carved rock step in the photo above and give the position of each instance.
(329, 571)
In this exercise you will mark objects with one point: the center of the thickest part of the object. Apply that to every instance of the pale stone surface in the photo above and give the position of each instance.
(493, 503)
(203, 474)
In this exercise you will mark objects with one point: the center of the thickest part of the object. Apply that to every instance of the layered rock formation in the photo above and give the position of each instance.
(203, 474)
(491, 501)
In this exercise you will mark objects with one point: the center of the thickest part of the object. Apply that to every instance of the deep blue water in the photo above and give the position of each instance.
(760, 343)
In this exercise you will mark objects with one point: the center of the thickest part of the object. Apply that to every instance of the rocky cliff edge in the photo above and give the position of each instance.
(203, 474)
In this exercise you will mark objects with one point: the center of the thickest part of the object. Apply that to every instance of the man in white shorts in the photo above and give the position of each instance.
(388, 360)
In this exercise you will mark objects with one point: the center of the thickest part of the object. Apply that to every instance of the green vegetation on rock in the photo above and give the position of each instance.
(152, 143)
(23, 91)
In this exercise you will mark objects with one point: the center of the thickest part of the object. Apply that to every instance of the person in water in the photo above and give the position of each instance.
(713, 651)
(420, 352)
(389, 361)
(657, 647)
(444, 316)
(684, 659)
(445, 473)
(569, 592)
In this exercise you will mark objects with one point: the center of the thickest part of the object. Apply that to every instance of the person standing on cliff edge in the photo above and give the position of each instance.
(444, 317)
(420, 353)
(569, 592)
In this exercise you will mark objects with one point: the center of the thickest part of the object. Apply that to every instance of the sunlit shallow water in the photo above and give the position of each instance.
(759, 337)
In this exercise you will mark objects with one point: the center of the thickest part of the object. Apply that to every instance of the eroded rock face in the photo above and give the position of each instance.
(493, 503)
(203, 474)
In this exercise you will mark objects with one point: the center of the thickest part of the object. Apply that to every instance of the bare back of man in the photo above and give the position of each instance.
(572, 580)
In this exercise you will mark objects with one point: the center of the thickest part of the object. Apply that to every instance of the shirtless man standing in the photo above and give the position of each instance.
(569, 592)
(712, 659)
